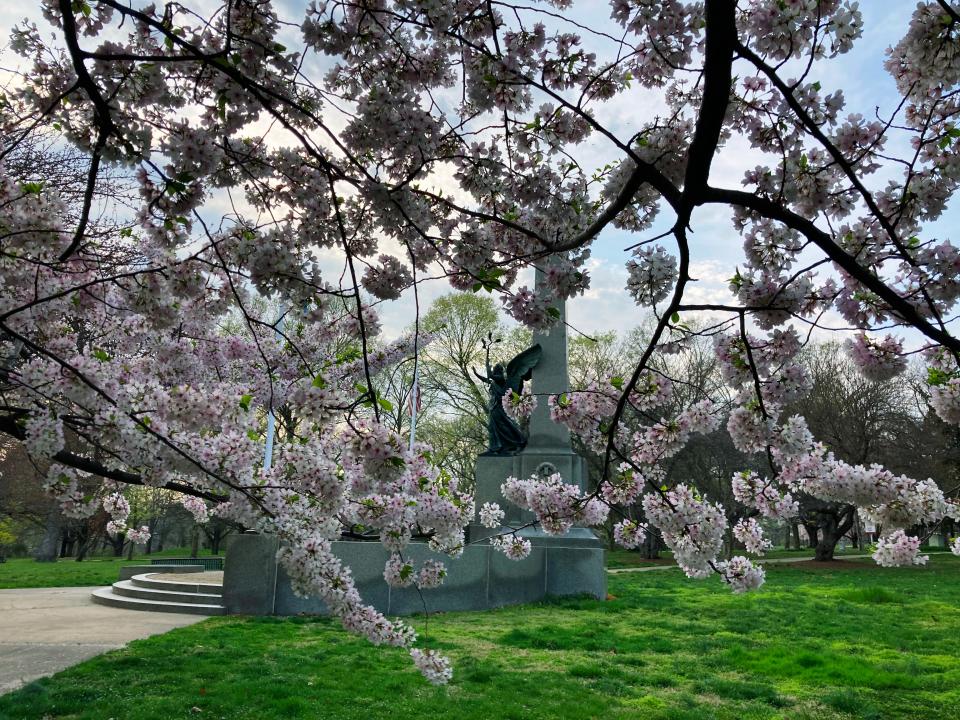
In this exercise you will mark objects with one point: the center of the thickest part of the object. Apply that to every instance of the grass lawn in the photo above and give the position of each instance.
(67, 572)
(619, 558)
(851, 642)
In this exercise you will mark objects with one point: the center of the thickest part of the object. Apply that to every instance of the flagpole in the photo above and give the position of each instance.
(414, 401)
(271, 420)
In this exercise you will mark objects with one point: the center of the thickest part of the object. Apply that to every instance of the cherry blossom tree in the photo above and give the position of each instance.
(415, 139)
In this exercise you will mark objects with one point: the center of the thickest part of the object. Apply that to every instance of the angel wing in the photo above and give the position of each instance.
(519, 369)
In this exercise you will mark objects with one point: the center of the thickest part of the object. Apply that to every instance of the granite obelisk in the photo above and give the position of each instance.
(573, 563)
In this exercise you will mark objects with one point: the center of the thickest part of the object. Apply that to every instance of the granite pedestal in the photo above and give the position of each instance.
(481, 578)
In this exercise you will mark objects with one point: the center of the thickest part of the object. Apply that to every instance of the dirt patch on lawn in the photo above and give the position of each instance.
(641, 564)
(838, 564)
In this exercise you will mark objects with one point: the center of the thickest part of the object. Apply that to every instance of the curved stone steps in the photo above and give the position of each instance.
(149, 593)
(151, 581)
(127, 588)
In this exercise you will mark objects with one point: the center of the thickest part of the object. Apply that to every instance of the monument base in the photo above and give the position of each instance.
(480, 579)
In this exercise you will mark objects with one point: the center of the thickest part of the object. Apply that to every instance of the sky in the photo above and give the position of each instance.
(716, 246)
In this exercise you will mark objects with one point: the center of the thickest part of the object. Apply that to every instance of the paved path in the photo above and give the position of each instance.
(44, 630)
(672, 566)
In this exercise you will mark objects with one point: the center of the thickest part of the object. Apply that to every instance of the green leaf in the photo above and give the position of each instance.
(126, 232)
(553, 312)
(245, 401)
(617, 382)
(349, 355)
(675, 318)
(101, 355)
(253, 435)
(936, 376)
(32, 188)
(319, 382)
(385, 404)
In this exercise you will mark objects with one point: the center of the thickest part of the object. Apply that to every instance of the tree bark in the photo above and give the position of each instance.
(829, 537)
(47, 550)
(812, 532)
(651, 546)
(215, 540)
(834, 527)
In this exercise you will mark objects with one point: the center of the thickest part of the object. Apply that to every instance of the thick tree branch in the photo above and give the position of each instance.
(847, 262)
(9, 426)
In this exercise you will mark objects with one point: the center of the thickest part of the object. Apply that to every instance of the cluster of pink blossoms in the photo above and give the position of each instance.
(898, 549)
(490, 515)
(651, 275)
(557, 505)
(878, 360)
(692, 527)
(513, 546)
(520, 406)
(196, 507)
(629, 534)
(749, 532)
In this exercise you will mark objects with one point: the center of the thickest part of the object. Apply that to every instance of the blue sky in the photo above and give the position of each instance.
(716, 246)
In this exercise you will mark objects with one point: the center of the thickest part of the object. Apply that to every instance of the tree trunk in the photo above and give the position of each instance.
(812, 531)
(728, 542)
(795, 529)
(215, 542)
(66, 546)
(651, 546)
(829, 537)
(130, 551)
(195, 544)
(834, 528)
(47, 550)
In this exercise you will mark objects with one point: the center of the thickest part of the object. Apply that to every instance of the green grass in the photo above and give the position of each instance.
(853, 642)
(631, 558)
(67, 572)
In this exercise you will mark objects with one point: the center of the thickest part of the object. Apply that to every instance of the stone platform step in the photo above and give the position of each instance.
(146, 592)
(128, 588)
(155, 582)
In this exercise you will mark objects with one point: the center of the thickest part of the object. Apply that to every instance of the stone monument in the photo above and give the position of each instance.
(574, 562)
(570, 564)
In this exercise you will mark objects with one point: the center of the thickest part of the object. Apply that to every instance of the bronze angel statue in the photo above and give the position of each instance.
(506, 437)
